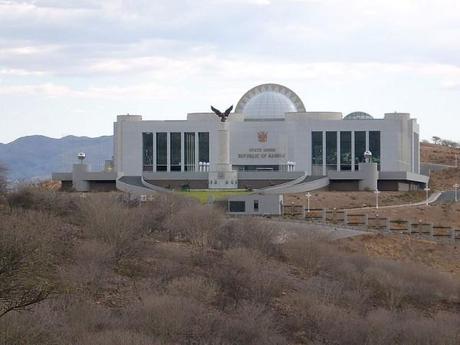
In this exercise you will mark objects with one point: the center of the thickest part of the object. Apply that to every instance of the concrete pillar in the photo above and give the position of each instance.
(453, 234)
(370, 175)
(345, 217)
(79, 182)
(387, 225)
(222, 172)
(324, 214)
(409, 227)
(366, 220)
(430, 228)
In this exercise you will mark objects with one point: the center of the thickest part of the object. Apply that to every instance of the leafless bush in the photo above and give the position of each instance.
(251, 233)
(245, 274)
(106, 219)
(3, 183)
(23, 329)
(197, 288)
(30, 252)
(41, 199)
(175, 319)
(115, 337)
(251, 324)
(307, 251)
(196, 224)
(92, 269)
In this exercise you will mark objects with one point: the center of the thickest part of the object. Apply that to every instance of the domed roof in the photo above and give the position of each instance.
(358, 115)
(269, 101)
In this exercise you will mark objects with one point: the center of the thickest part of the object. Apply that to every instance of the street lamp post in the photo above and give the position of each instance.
(456, 191)
(377, 192)
(427, 191)
(308, 195)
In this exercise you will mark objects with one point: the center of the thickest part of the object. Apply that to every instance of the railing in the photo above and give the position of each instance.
(368, 222)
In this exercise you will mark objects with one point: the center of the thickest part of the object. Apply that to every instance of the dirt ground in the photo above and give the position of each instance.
(341, 200)
(442, 257)
(445, 179)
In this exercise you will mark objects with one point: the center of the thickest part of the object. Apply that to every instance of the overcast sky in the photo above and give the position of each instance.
(70, 66)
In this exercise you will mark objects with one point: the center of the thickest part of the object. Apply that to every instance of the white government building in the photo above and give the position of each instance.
(270, 142)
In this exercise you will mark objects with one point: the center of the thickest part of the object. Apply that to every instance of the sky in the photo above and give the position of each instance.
(70, 66)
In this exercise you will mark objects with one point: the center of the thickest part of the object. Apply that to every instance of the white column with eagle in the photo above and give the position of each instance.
(221, 175)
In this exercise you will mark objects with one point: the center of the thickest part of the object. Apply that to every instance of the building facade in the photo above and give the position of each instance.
(272, 139)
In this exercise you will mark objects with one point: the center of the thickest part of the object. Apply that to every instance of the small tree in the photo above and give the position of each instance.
(436, 140)
(28, 260)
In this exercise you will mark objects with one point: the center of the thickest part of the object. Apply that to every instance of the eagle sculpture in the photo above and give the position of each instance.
(223, 116)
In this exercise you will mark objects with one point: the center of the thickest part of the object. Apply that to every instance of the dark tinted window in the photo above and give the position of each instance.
(162, 155)
(237, 206)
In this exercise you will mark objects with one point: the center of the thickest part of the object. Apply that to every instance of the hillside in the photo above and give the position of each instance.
(438, 154)
(170, 271)
(38, 156)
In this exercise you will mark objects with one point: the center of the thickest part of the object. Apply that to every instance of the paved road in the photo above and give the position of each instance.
(447, 197)
(292, 227)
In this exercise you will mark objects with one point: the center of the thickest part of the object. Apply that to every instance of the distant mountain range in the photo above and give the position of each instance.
(37, 156)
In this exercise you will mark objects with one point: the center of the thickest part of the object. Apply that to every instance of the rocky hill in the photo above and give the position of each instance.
(36, 157)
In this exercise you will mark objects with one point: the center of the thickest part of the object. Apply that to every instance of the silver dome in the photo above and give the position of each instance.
(358, 115)
(269, 101)
(268, 105)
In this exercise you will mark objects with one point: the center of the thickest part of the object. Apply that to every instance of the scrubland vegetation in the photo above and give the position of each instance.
(103, 270)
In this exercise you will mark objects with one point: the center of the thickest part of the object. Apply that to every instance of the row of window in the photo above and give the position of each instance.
(328, 141)
(159, 158)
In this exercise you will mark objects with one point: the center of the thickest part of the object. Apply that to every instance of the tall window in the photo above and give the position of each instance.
(374, 146)
(147, 151)
(162, 153)
(317, 153)
(175, 154)
(345, 150)
(189, 147)
(331, 150)
(203, 154)
(360, 147)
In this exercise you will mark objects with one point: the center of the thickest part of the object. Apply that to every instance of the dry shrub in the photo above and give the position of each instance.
(169, 261)
(92, 268)
(23, 329)
(105, 218)
(251, 233)
(308, 251)
(392, 284)
(115, 337)
(196, 288)
(3, 182)
(162, 207)
(245, 274)
(196, 223)
(41, 199)
(251, 324)
(175, 319)
(30, 250)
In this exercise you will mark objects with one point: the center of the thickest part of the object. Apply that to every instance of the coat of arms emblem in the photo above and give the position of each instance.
(262, 137)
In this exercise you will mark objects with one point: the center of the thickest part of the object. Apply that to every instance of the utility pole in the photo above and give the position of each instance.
(427, 191)
(308, 195)
(377, 192)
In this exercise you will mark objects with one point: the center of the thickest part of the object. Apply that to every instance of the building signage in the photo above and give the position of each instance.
(261, 153)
